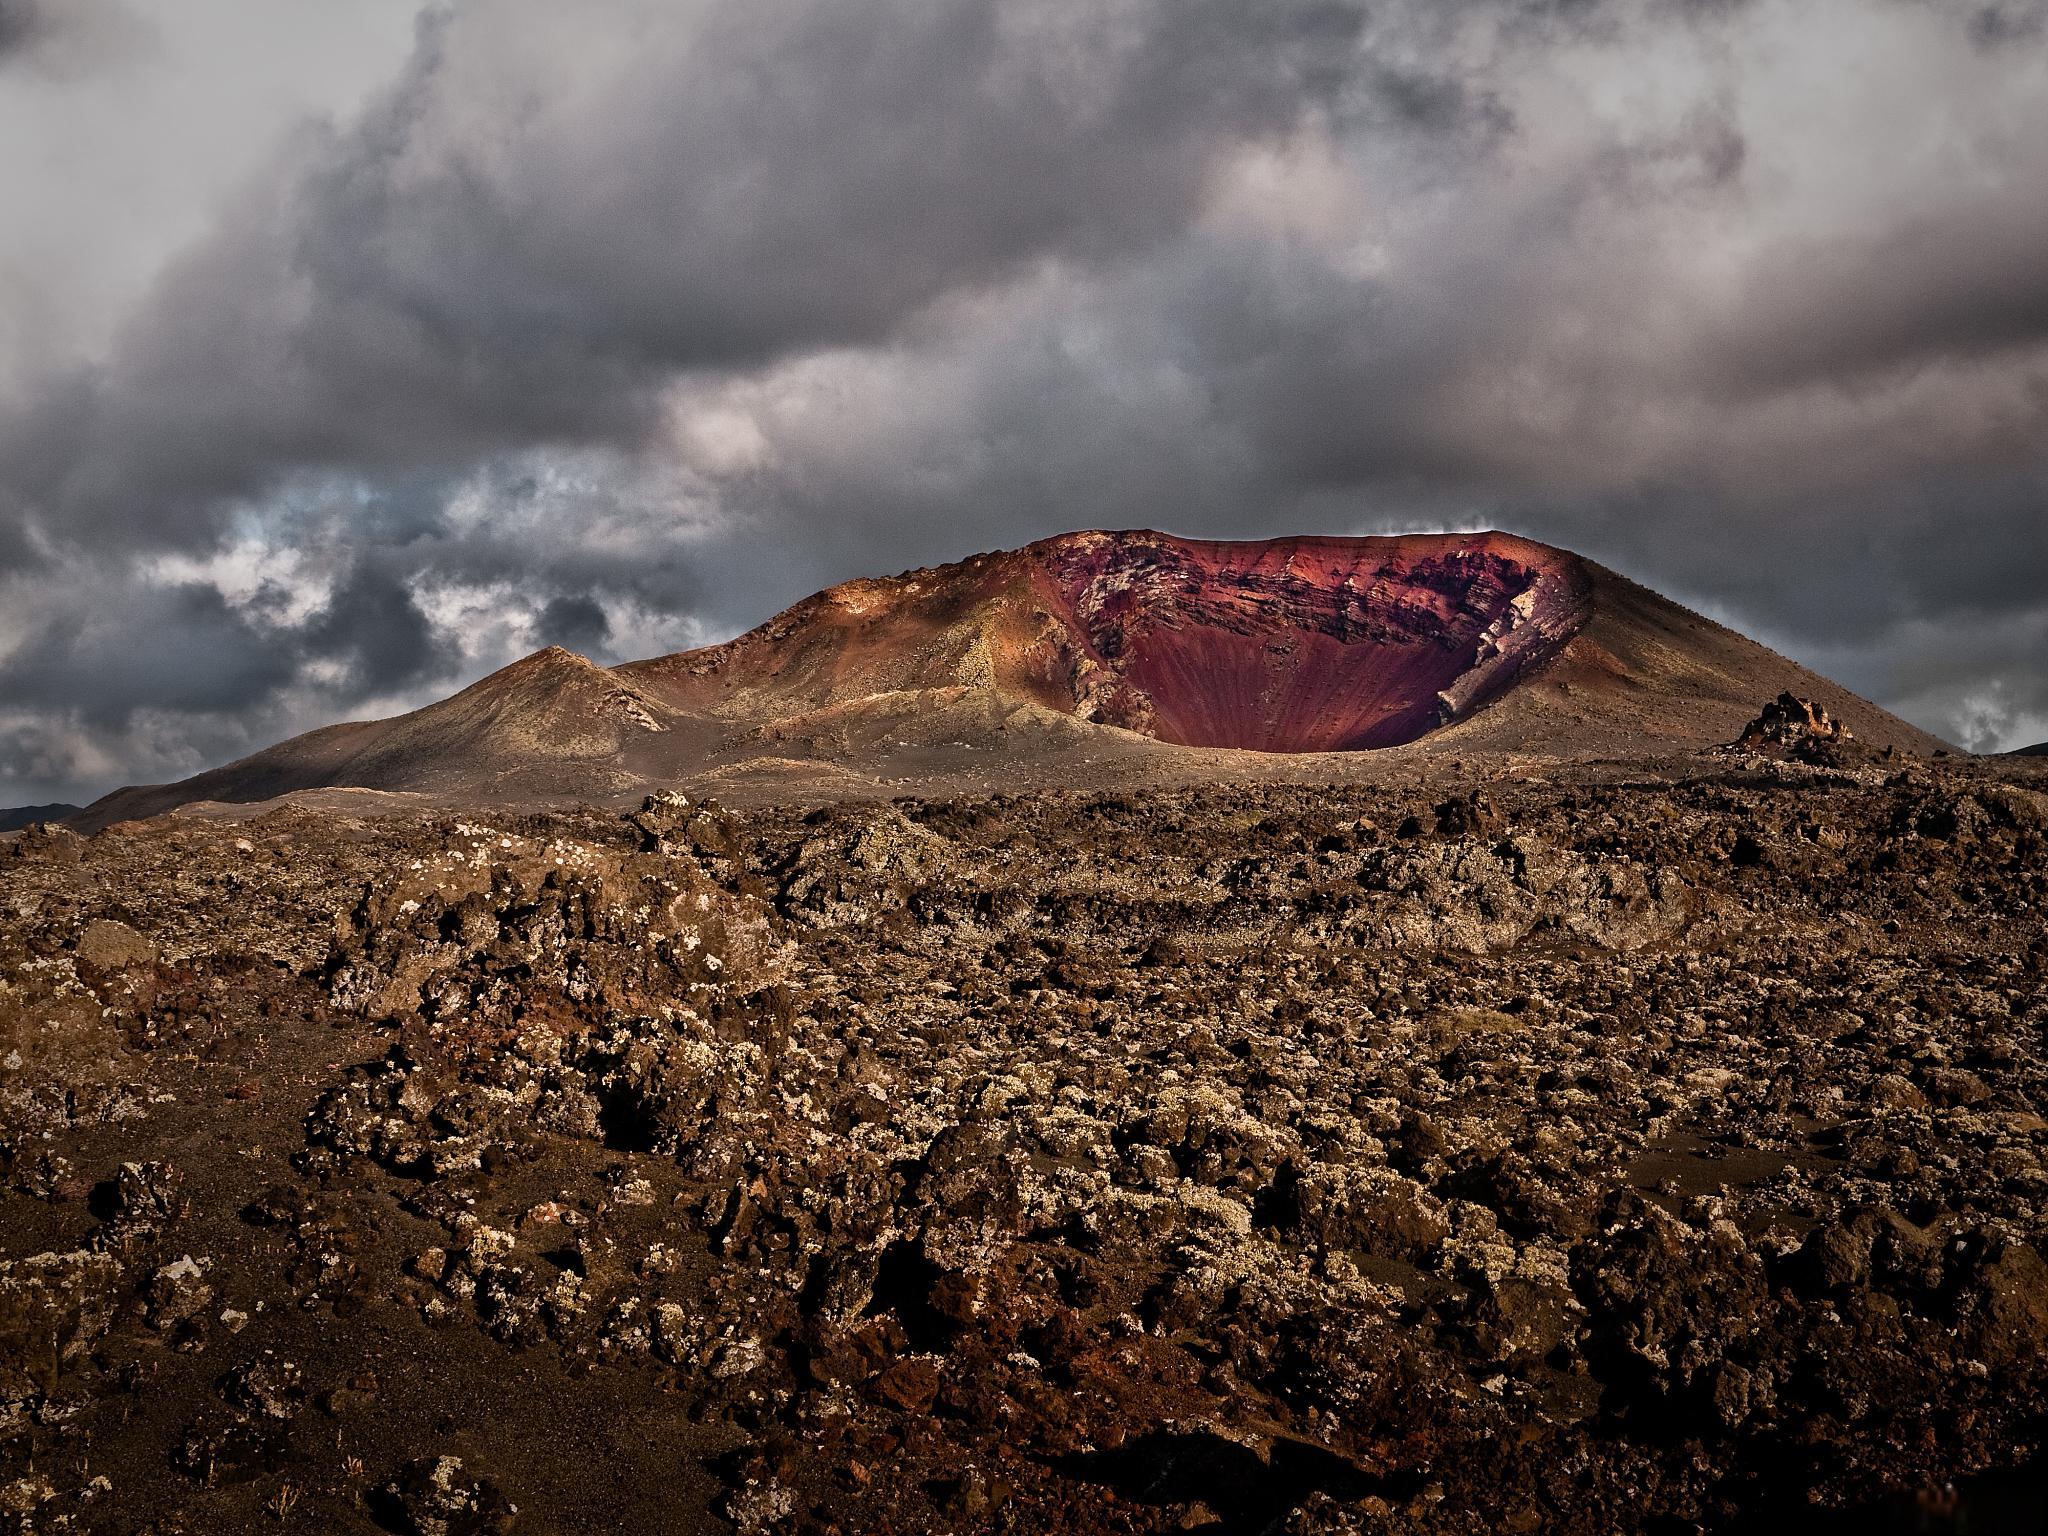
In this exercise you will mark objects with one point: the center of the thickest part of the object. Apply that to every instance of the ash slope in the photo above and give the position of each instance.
(1092, 657)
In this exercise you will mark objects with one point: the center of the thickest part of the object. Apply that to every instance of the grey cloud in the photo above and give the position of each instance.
(442, 281)
(1958, 676)
(107, 656)
(1927, 551)
(577, 623)
(1957, 283)
(180, 648)
(374, 625)
(37, 760)
(66, 38)
(21, 23)
(2015, 21)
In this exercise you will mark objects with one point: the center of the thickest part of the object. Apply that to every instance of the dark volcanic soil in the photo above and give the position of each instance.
(1643, 1149)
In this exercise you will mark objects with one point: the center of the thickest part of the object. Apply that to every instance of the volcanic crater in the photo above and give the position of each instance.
(1305, 645)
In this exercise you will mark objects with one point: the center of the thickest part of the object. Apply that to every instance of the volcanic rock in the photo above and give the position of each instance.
(1803, 729)
(1788, 719)
(435, 1497)
(53, 1308)
(1617, 1148)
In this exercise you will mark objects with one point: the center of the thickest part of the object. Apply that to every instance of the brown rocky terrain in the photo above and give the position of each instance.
(1648, 1145)
(1093, 658)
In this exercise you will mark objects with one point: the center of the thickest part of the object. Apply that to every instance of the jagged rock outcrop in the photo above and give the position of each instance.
(1789, 721)
(1789, 718)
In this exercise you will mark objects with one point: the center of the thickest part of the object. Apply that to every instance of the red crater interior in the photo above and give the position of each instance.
(1304, 645)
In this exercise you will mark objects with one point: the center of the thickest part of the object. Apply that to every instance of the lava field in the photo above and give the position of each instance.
(1649, 1147)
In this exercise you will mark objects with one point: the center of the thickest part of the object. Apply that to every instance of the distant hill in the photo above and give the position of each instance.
(17, 817)
(1094, 648)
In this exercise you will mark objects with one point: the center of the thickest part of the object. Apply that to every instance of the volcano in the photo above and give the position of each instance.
(1134, 652)
(1286, 645)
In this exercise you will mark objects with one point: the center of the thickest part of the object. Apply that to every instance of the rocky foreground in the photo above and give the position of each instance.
(1645, 1149)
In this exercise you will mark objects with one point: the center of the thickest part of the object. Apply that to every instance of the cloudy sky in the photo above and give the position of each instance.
(351, 348)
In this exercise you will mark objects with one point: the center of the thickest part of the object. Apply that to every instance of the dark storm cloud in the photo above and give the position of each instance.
(618, 326)
(2014, 21)
(21, 22)
(180, 648)
(374, 625)
(1960, 282)
(184, 648)
(66, 37)
(576, 623)
(1939, 548)
(461, 273)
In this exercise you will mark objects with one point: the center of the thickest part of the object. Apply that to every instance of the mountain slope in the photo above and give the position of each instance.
(1286, 645)
(1016, 663)
(1644, 670)
(15, 817)
(552, 723)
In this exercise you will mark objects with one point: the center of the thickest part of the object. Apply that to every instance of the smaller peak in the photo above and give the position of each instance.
(550, 662)
(556, 656)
